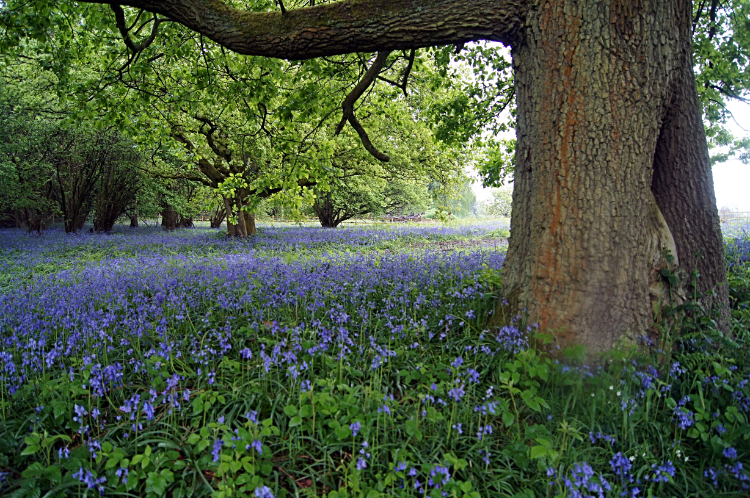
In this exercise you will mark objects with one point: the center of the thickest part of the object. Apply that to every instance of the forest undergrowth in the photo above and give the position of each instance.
(343, 363)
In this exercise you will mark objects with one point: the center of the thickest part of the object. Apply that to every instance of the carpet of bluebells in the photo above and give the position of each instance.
(342, 363)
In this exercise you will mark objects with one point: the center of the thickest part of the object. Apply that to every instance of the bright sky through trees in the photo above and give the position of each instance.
(732, 178)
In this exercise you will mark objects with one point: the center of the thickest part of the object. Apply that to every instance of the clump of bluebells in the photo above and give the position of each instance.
(187, 364)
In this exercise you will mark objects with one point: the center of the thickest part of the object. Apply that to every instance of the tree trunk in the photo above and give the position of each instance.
(169, 218)
(105, 217)
(241, 225)
(250, 223)
(134, 220)
(323, 208)
(231, 227)
(602, 88)
(33, 220)
(186, 222)
(218, 216)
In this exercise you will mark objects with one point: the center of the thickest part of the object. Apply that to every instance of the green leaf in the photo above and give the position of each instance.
(54, 474)
(30, 450)
(343, 433)
(112, 462)
(290, 410)
(33, 470)
(508, 419)
(538, 451)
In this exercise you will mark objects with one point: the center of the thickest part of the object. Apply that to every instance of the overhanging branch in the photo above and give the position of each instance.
(348, 106)
(344, 26)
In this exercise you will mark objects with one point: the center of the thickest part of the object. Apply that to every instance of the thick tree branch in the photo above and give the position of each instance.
(214, 172)
(343, 27)
(362, 86)
(218, 148)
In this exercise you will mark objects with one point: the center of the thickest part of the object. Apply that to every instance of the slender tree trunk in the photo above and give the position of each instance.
(231, 227)
(250, 223)
(218, 216)
(241, 226)
(134, 220)
(596, 83)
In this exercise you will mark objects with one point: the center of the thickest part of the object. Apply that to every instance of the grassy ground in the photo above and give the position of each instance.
(351, 362)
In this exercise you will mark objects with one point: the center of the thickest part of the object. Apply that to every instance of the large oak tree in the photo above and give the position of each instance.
(611, 164)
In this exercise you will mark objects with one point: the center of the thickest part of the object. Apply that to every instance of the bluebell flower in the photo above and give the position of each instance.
(122, 473)
(621, 466)
(662, 473)
(216, 452)
(263, 492)
(730, 452)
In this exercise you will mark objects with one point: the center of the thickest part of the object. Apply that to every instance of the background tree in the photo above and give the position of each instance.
(501, 202)
(358, 184)
(26, 184)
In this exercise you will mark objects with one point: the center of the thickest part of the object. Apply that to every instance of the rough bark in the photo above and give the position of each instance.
(241, 226)
(683, 186)
(245, 222)
(596, 84)
(250, 223)
(342, 27)
(231, 227)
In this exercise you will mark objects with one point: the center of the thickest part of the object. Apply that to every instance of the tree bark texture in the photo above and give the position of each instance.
(611, 160)
(342, 27)
(601, 87)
